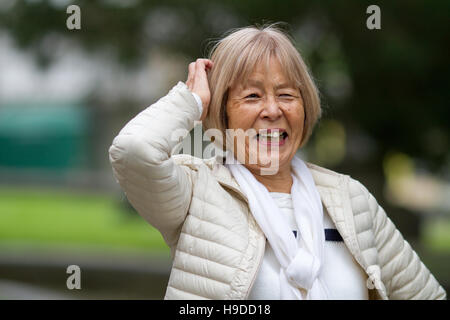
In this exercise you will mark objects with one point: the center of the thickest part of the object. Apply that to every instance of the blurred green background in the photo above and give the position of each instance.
(65, 94)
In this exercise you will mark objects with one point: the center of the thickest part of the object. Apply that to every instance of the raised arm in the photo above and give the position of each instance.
(140, 156)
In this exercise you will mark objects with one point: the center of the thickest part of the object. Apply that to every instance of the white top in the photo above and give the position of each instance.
(344, 278)
(199, 102)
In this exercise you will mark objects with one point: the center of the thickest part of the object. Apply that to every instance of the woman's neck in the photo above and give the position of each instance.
(280, 182)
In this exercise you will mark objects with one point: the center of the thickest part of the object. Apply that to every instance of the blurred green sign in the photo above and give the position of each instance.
(43, 135)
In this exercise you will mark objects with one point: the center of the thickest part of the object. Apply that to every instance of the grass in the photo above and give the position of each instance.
(56, 218)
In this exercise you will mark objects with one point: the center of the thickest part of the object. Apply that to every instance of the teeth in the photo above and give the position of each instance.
(271, 135)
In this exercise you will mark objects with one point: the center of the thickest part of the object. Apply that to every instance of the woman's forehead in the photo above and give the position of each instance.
(262, 72)
(261, 82)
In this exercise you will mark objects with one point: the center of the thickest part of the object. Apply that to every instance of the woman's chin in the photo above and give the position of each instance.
(269, 163)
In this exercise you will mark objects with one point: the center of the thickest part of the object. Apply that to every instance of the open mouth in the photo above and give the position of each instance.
(272, 137)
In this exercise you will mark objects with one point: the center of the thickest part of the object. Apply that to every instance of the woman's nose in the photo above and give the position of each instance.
(271, 109)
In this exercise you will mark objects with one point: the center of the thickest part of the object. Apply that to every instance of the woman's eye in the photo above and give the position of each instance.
(286, 95)
(253, 95)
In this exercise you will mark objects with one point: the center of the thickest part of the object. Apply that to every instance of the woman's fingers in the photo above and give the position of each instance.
(201, 86)
(191, 74)
(201, 66)
(197, 81)
(200, 72)
(197, 68)
(209, 64)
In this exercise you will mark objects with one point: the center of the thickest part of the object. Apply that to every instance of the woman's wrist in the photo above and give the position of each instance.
(199, 102)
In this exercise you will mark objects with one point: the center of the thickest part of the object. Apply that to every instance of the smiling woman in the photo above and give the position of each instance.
(275, 109)
(238, 232)
(254, 69)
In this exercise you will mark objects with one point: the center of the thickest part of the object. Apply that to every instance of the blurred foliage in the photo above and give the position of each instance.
(436, 235)
(387, 90)
(397, 75)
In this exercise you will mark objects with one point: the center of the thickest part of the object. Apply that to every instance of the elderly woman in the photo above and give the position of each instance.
(266, 225)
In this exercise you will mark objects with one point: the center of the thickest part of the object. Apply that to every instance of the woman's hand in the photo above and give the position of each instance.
(197, 82)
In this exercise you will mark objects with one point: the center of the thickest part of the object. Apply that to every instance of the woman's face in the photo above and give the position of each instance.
(264, 105)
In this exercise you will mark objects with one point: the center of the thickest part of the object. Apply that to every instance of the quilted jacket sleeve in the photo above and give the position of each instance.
(403, 273)
(140, 156)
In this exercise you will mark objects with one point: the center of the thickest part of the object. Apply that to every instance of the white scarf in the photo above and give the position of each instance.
(301, 261)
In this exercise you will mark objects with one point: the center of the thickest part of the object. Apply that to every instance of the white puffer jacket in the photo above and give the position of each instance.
(216, 244)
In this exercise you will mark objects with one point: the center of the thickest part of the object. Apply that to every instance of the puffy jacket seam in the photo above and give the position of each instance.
(202, 276)
(409, 262)
(219, 225)
(359, 213)
(397, 254)
(398, 273)
(384, 243)
(382, 227)
(190, 292)
(403, 270)
(215, 206)
(244, 256)
(258, 266)
(344, 180)
(410, 283)
(389, 284)
(207, 259)
(175, 197)
(420, 291)
(162, 191)
(220, 244)
(356, 196)
(365, 230)
(435, 294)
(359, 193)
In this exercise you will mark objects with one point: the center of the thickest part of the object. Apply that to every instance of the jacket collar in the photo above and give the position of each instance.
(323, 178)
(329, 184)
(333, 194)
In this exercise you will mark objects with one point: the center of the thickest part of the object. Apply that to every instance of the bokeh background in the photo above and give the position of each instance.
(65, 94)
